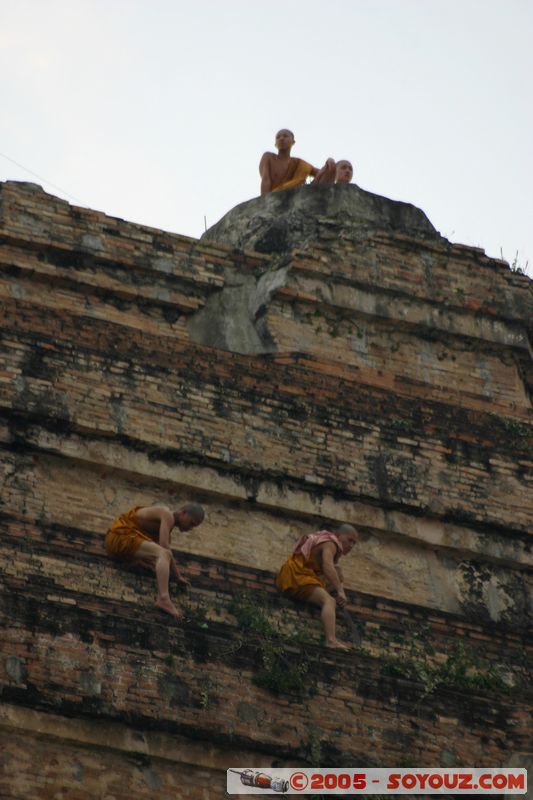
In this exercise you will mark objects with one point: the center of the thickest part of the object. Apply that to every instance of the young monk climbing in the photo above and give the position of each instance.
(314, 559)
(142, 536)
(283, 171)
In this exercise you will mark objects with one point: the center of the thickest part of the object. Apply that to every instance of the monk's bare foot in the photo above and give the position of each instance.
(166, 604)
(336, 645)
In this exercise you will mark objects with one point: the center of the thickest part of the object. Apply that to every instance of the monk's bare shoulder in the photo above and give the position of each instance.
(266, 160)
(149, 513)
(327, 550)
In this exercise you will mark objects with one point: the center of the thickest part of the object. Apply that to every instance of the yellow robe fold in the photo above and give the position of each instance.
(296, 175)
(124, 537)
(299, 576)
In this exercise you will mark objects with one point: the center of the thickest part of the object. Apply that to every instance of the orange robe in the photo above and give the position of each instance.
(302, 572)
(296, 175)
(124, 537)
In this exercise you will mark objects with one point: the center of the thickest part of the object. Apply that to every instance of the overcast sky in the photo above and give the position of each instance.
(158, 111)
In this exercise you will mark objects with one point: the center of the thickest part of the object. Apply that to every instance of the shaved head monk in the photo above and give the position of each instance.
(283, 171)
(313, 563)
(142, 536)
(343, 172)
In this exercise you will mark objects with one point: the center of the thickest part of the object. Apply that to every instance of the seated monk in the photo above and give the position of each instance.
(282, 171)
(142, 536)
(314, 559)
(343, 172)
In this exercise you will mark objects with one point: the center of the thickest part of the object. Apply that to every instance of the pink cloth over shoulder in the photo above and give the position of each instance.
(305, 543)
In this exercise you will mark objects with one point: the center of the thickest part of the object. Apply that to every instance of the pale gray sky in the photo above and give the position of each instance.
(158, 111)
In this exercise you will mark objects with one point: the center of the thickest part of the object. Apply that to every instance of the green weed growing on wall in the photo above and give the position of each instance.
(282, 670)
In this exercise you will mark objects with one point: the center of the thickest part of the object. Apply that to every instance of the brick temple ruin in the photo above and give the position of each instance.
(320, 356)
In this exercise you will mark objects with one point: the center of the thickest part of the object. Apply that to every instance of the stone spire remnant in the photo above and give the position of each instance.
(283, 221)
(322, 221)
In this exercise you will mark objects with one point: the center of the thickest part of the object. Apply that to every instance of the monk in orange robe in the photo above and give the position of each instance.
(283, 171)
(142, 536)
(313, 562)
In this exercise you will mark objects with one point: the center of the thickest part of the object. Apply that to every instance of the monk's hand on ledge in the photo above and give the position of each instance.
(182, 582)
(341, 598)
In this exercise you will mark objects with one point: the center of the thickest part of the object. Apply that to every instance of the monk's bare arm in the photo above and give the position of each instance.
(265, 172)
(328, 552)
(166, 523)
(177, 574)
(160, 516)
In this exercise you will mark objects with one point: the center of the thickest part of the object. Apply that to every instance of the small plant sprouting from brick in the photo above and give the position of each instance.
(400, 425)
(411, 654)
(256, 617)
(462, 669)
(279, 672)
(519, 433)
(515, 265)
(516, 429)
(251, 616)
(196, 614)
(205, 696)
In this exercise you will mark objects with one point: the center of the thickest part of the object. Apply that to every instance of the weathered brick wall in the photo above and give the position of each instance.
(80, 655)
(397, 396)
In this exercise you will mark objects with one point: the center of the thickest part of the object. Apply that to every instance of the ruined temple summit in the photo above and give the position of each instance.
(320, 356)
